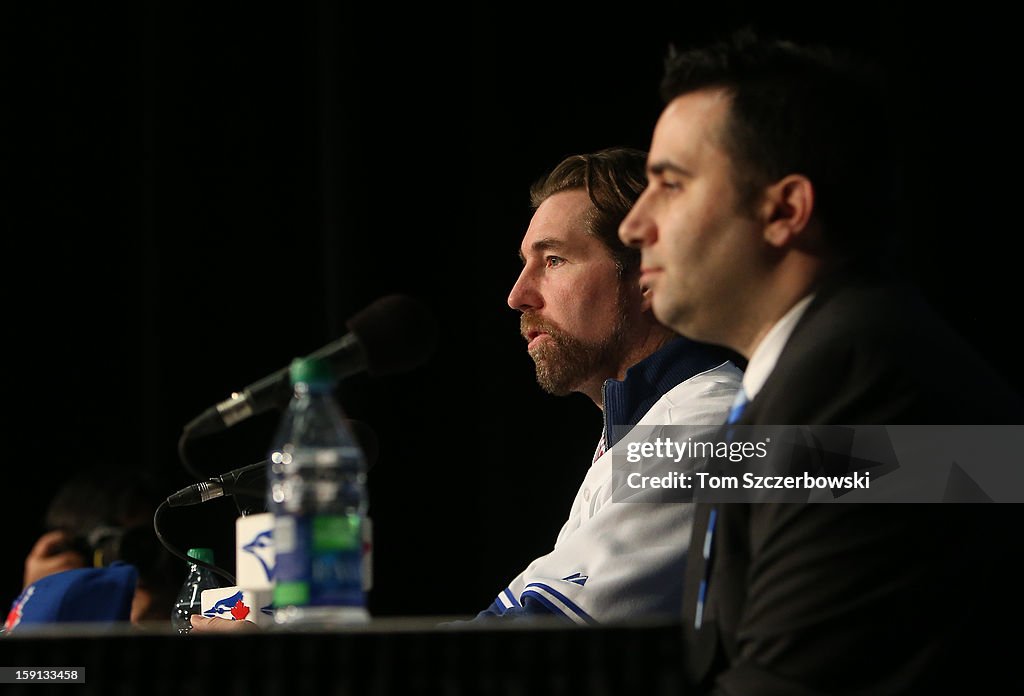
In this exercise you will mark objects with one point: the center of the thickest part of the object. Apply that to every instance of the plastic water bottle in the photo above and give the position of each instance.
(189, 599)
(317, 492)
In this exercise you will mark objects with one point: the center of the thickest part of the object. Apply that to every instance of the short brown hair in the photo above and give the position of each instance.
(613, 178)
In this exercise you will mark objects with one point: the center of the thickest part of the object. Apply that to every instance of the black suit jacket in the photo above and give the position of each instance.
(862, 598)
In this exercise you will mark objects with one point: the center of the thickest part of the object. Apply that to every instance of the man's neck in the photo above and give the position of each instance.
(651, 342)
(653, 337)
(792, 281)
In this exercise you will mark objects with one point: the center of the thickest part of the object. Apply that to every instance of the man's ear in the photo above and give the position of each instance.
(786, 209)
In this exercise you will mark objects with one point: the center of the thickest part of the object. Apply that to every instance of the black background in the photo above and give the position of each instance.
(194, 194)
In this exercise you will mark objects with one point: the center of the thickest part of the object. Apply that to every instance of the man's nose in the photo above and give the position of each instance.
(638, 229)
(524, 295)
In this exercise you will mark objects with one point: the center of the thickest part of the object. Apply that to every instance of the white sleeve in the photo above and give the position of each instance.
(617, 560)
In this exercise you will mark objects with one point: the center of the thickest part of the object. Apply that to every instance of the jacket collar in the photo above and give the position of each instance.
(627, 400)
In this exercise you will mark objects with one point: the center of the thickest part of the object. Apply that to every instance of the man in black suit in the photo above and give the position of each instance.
(759, 227)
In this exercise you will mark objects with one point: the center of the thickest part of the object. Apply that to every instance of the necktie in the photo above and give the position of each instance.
(738, 404)
(702, 591)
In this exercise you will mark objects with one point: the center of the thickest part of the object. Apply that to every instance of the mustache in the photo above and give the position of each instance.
(531, 323)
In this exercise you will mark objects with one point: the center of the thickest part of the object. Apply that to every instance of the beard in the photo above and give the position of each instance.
(565, 363)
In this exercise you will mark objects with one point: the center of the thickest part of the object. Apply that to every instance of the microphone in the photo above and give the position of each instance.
(251, 481)
(214, 488)
(393, 334)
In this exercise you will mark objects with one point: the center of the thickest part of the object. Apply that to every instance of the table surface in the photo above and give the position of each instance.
(402, 655)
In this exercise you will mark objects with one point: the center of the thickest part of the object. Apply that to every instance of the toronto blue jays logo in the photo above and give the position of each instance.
(230, 607)
(262, 547)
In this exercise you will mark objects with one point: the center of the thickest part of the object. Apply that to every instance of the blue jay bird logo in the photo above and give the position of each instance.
(262, 547)
(230, 607)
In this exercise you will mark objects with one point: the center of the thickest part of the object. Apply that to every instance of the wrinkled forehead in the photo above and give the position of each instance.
(563, 219)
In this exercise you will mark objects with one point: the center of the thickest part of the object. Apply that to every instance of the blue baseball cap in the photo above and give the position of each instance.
(83, 595)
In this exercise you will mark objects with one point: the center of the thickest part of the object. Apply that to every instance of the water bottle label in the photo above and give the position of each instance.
(323, 563)
(291, 594)
(335, 533)
(284, 534)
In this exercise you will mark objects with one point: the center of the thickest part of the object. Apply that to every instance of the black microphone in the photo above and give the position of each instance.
(250, 481)
(214, 488)
(394, 334)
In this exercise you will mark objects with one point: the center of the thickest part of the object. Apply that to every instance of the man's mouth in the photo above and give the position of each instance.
(532, 337)
(646, 275)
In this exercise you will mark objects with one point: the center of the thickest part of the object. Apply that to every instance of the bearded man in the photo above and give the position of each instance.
(590, 329)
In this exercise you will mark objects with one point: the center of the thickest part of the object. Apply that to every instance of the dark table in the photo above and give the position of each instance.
(387, 656)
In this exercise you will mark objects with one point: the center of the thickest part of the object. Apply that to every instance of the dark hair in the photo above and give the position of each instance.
(108, 515)
(799, 110)
(613, 178)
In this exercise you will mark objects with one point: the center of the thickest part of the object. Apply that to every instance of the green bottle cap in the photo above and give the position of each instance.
(204, 555)
(311, 371)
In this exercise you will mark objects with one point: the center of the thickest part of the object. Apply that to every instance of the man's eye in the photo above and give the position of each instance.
(554, 261)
